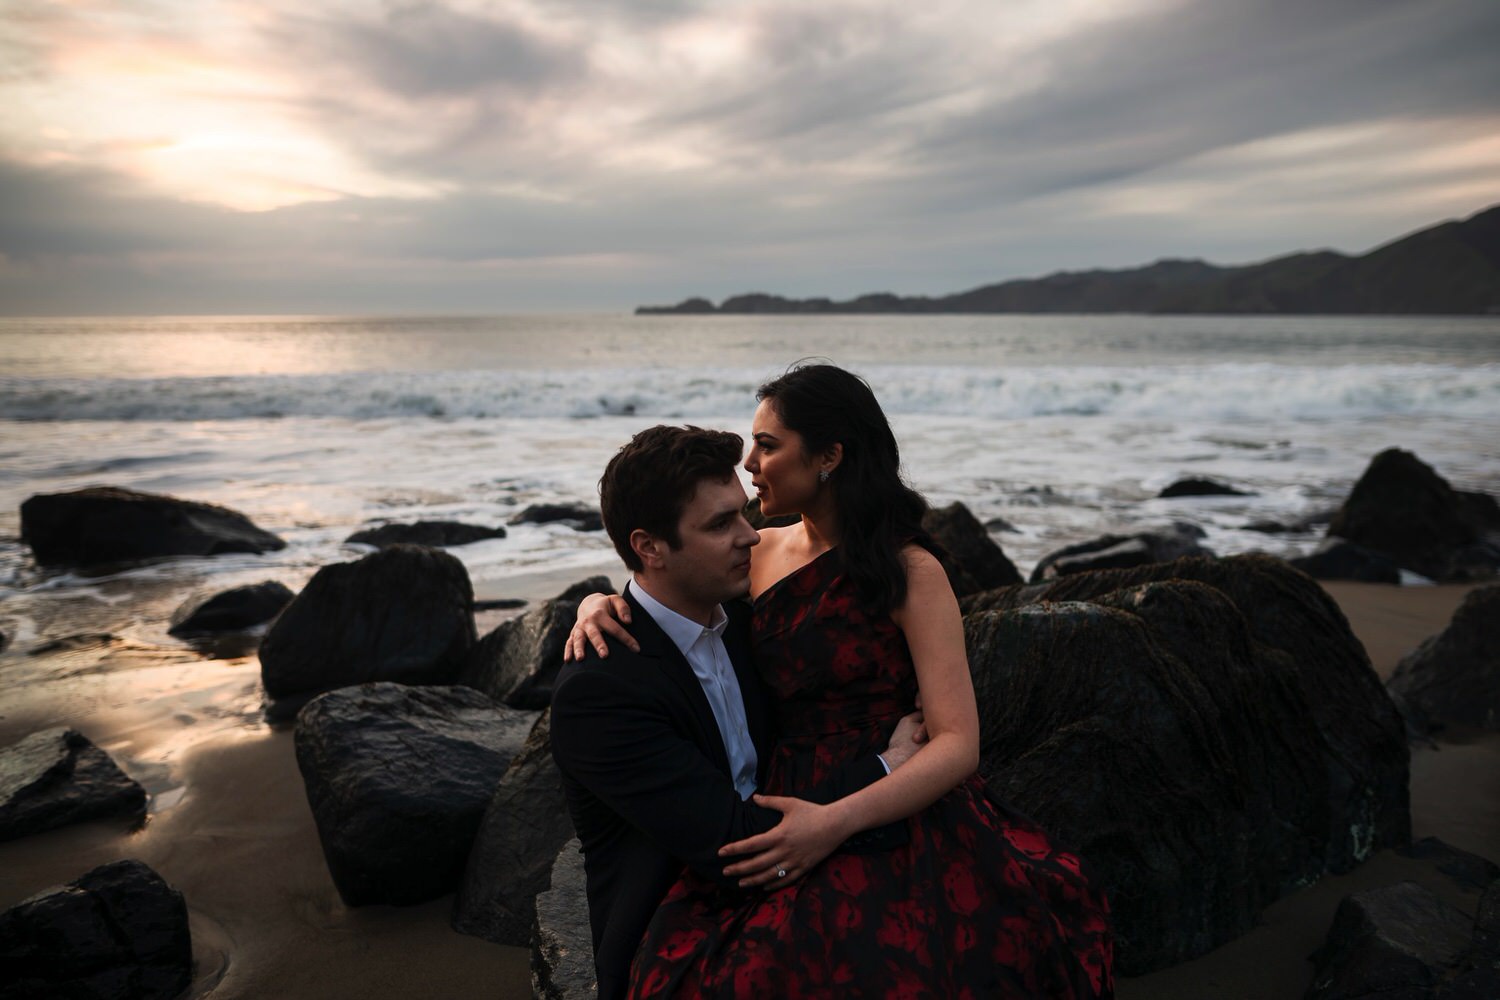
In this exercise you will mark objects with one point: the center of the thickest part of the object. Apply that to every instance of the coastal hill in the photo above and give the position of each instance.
(1450, 268)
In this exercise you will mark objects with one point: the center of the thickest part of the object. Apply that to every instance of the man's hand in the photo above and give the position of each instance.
(789, 850)
(598, 614)
(907, 738)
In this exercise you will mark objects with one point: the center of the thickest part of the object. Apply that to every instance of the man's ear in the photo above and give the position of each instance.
(647, 547)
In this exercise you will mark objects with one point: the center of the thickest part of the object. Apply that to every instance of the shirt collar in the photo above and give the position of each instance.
(684, 632)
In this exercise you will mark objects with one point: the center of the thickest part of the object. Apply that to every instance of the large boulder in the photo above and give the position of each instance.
(562, 947)
(398, 778)
(404, 614)
(1207, 733)
(575, 516)
(517, 663)
(1401, 507)
(107, 524)
(118, 932)
(1401, 942)
(973, 561)
(1178, 541)
(1454, 676)
(231, 610)
(1338, 559)
(527, 822)
(437, 534)
(56, 777)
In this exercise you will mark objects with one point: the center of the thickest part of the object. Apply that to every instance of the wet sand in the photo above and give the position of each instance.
(231, 828)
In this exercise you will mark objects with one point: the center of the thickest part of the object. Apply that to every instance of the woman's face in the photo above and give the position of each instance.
(785, 477)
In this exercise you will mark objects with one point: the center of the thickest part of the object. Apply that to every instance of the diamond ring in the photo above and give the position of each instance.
(781, 873)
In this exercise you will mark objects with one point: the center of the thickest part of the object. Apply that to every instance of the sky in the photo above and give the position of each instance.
(464, 156)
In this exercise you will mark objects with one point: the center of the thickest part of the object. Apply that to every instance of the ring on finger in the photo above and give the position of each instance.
(781, 873)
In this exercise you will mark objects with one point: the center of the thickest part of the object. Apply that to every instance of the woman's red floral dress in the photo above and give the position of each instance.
(979, 903)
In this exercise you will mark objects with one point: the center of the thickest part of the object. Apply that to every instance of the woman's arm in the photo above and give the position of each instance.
(807, 833)
(598, 614)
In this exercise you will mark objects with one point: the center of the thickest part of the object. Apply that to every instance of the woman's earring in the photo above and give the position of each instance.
(822, 475)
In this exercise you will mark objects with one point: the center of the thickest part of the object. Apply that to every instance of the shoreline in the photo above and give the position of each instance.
(230, 826)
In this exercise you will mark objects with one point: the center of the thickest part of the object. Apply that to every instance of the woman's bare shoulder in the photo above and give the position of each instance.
(920, 562)
(926, 580)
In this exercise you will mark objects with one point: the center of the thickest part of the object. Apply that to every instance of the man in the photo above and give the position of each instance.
(660, 749)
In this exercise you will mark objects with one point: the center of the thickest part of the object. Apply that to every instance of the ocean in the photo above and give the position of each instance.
(1065, 427)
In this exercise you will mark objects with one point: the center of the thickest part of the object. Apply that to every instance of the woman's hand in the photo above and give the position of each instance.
(806, 835)
(598, 614)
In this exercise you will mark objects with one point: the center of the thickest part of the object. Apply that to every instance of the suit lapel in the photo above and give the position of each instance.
(656, 645)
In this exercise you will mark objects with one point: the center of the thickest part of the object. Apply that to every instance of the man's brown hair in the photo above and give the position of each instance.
(653, 478)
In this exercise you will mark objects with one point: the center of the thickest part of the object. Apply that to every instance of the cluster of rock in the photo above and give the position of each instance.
(1207, 732)
(119, 930)
(1402, 515)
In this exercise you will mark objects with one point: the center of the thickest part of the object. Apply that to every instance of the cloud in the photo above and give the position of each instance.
(426, 49)
(495, 154)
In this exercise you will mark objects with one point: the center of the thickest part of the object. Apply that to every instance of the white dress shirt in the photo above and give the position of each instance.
(704, 650)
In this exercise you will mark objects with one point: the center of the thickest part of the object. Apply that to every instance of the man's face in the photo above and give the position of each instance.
(713, 564)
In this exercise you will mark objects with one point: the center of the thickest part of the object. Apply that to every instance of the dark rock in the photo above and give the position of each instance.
(973, 561)
(1401, 507)
(1200, 488)
(118, 932)
(1397, 941)
(1337, 559)
(526, 824)
(1122, 552)
(436, 534)
(562, 947)
(501, 604)
(1454, 676)
(4, 641)
(231, 610)
(1310, 522)
(1208, 733)
(106, 524)
(1468, 870)
(398, 778)
(1485, 948)
(1001, 525)
(403, 614)
(578, 517)
(758, 520)
(517, 663)
(56, 777)
(583, 588)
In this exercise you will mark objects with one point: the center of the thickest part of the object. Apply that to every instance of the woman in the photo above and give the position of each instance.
(854, 622)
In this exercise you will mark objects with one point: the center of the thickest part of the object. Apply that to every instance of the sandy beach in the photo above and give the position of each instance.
(231, 828)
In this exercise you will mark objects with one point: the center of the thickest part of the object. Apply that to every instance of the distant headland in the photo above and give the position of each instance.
(1452, 268)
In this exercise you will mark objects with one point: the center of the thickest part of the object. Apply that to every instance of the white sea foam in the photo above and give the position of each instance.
(1171, 392)
(1066, 427)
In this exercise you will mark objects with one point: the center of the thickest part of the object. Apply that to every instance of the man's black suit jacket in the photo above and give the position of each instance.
(648, 782)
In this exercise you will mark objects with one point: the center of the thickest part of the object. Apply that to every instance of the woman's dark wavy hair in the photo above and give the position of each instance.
(878, 512)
